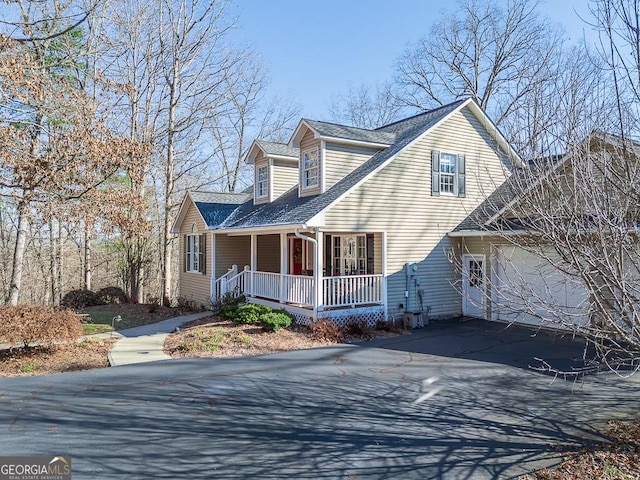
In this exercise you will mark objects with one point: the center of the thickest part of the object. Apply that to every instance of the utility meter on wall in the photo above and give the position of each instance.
(412, 269)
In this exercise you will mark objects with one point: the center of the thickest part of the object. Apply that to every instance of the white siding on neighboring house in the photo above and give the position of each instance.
(342, 159)
(398, 200)
(285, 176)
(194, 286)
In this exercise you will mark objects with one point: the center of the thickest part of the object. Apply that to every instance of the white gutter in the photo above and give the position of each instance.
(317, 269)
(487, 233)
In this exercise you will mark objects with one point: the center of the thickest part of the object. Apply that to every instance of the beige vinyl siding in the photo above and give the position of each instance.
(339, 160)
(268, 253)
(232, 251)
(398, 200)
(285, 176)
(261, 162)
(194, 286)
(308, 142)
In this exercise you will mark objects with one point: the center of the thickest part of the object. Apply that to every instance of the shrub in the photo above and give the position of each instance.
(229, 298)
(250, 313)
(78, 299)
(355, 328)
(112, 295)
(327, 331)
(28, 324)
(228, 312)
(274, 321)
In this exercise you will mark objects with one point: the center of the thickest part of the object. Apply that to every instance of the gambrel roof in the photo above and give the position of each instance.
(291, 210)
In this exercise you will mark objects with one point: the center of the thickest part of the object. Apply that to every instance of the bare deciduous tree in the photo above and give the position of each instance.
(493, 53)
(366, 107)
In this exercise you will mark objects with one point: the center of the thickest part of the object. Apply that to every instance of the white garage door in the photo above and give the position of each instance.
(529, 289)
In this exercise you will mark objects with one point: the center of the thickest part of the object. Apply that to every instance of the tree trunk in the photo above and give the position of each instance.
(87, 256)
(18, 253)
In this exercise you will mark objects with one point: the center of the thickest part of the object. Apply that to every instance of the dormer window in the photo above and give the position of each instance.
(310, 168)
(262, 182)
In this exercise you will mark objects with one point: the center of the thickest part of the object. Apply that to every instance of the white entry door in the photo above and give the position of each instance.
(474, 286)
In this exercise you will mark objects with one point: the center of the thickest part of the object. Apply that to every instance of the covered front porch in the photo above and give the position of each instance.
(312, 274)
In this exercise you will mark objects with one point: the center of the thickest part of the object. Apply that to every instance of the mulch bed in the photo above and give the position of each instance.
(42, 360)
(618, 459)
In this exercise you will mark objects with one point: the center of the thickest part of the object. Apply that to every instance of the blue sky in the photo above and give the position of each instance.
(315, 50)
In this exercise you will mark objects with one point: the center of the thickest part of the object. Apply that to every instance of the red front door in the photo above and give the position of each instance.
(296, 256)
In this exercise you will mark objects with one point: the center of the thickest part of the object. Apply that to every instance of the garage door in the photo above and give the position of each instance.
(529, 289)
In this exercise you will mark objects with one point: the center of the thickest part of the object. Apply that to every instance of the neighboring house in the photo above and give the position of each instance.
(345, 222)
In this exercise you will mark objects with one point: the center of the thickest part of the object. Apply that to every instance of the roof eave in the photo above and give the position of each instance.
(260, 229)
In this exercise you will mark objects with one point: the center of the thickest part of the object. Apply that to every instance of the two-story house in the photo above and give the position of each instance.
(345, 222)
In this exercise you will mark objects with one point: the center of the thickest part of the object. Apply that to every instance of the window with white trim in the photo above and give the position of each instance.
(448, 173)
(195, 251)
(349, 254)
(311, 168)
(262, 181)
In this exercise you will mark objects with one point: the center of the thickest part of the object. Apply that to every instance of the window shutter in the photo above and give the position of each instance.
(370, 258)
(202, 260)
(327, 256)
(435, 173)
(461, 176)
(186, 253)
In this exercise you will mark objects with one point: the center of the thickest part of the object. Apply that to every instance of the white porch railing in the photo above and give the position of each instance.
(352, 290)
(298, 289)
(232, 282)
(221, 284)
(343, 291)
(266, 284)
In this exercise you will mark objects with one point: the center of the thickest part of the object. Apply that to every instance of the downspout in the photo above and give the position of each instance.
(317, 274)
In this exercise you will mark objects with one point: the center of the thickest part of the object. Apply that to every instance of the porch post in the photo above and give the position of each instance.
(214, 296)
(283, 266)
(317, 274)
(384, 275)
(254, 261)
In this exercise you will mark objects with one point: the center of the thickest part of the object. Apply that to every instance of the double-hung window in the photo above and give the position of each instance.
(262, 183)
(195, 251)
(447, 174)
(310, 168)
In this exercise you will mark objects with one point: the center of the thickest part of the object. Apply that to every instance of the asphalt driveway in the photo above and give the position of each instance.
(448, 401)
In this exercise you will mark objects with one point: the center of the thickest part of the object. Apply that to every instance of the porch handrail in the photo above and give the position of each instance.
(221, 282)
(349, 290)
(232, 282)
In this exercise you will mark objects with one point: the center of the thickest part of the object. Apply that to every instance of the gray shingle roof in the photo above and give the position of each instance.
(289, 209)
(279, 149)
(216, 207)
(352, 133)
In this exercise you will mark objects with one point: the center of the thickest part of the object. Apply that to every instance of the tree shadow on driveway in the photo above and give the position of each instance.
(335, 412)
(474, 339)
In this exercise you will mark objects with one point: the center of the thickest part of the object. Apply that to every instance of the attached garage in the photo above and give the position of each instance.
(528, 289)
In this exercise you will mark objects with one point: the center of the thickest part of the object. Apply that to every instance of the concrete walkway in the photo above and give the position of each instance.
(145, 343)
